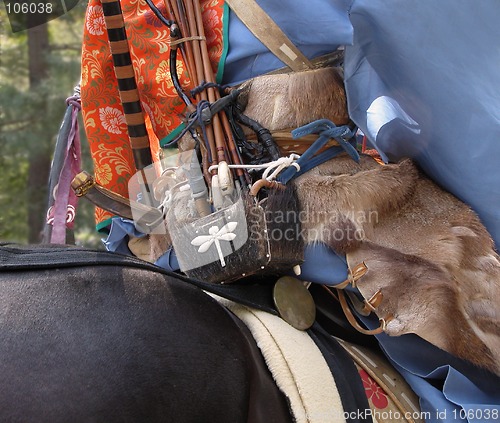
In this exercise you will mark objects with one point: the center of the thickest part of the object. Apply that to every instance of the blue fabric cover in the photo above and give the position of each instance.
(118, 236)
(248, 57)
(422, 80)
(323, 265)
(117, 240)
(168, 261)
(450, 390)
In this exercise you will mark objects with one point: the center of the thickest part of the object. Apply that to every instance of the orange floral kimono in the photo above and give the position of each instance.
(103, 115)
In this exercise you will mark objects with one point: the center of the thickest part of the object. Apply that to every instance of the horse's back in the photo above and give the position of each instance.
(117, 343)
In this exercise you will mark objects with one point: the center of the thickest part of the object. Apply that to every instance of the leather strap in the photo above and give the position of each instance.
(269, 33)
(350, 317)
(84, 185)
(353, 276)
(333, 59)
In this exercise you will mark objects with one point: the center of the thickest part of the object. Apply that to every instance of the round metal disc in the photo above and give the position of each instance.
(294, 302)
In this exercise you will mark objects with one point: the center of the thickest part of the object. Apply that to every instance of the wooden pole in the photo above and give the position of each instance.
(129, 94)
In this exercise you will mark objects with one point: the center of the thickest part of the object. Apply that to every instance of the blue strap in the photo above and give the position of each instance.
(326, 130)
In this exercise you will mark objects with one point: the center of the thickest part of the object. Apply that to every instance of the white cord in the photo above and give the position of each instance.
(277, 165)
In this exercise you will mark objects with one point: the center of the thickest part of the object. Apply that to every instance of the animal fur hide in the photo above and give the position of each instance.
(286, 101)
(425, 250)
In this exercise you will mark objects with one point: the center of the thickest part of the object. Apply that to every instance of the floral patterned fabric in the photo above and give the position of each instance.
(103, 116)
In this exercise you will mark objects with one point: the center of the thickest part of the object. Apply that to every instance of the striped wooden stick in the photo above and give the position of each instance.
(127, 86)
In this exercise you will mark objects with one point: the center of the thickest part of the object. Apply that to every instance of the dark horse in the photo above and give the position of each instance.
(92, 336)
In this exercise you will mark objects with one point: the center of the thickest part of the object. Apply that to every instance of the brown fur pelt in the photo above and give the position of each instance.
(290, 100)
(425, 250)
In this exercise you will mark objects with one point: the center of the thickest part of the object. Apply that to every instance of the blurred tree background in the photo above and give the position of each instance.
(39, 69)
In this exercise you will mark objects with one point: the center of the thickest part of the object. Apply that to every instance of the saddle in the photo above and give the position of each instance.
(317, 388)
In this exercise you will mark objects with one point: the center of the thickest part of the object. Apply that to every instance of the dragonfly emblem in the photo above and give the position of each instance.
(226, 233)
